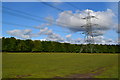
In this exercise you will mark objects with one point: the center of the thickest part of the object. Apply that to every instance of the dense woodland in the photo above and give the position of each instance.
(16, 45)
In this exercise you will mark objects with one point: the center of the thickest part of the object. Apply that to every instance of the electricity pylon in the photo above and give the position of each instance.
(89, 37)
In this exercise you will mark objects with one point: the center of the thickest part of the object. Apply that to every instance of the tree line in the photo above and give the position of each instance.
(16, 45)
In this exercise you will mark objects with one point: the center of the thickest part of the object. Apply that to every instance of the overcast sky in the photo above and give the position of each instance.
(60, 21)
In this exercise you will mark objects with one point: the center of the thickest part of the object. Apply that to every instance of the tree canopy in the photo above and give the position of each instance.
(16, 45)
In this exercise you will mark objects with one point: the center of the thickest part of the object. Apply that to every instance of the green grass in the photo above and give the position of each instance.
(47, 65)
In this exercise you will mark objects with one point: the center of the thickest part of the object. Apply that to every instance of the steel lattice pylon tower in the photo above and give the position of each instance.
(89, 37)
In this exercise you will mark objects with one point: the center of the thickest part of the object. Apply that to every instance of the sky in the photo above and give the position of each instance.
(59, 21)
(61, 0)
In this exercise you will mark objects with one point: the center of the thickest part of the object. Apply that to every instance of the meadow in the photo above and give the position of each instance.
(63, 65)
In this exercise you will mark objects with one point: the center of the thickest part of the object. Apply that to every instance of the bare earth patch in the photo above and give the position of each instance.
(23, 76)
(91, 74)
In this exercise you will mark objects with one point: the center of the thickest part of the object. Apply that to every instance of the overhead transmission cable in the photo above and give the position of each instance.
(30, 16)
(14, 14)
(27, 18)
(72, 5)
(23, 16)
(14, 24)
(59, 9)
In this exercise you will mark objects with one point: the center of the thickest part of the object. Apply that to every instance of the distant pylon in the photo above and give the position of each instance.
(89, 37)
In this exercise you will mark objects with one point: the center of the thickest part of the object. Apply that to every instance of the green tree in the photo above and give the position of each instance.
(37, 46)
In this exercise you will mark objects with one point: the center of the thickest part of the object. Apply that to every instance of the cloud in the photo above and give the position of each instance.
(55, 37)
(43, 40)
(50, 21)
(75, 22)
(98, 33)
(25, 34)
(98, 37)
(45, 31)
(103, 40)
(68, 36)
(51, 36)
(78, 41)
(96, 40)
(42, 26)
(117, 28)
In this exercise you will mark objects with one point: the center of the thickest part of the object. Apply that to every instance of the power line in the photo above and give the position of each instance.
(61, 10)
(72, 5)
(22, 12)
(19, 15)
(52, 6)
(14, 24)
(30, 16)
(21, 25)
(23, 16)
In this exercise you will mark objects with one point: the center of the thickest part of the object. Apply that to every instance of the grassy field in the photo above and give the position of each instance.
(50, 65)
